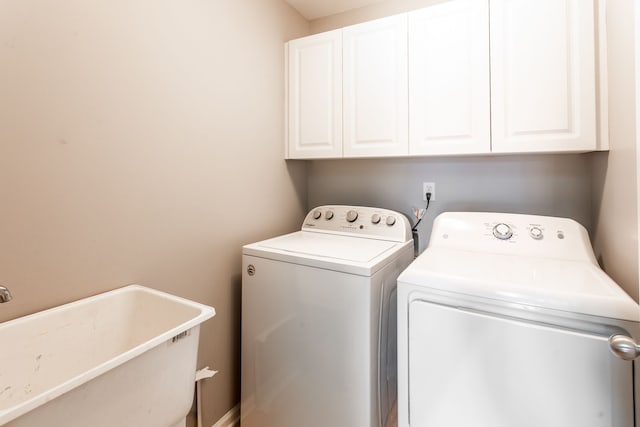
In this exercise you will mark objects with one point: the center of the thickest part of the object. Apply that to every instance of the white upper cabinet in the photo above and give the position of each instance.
(315, 96)
(461, 77)
(449, 104)
(542, 75)
(375, 88)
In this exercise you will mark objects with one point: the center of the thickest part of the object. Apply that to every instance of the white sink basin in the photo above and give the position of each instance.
(122, 358)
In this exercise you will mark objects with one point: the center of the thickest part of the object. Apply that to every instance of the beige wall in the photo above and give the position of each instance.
(367, 13)
(615, 235)
(142, 142)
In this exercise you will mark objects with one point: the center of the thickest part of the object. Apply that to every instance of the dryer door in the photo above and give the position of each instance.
(473, 369)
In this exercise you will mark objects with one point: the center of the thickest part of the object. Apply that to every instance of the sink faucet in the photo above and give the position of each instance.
(5, 295)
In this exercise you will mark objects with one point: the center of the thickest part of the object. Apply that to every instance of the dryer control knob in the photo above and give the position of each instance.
(536, 233)
(502, 231)
(317, 214)
(328, 215)
(352, 216)
(391, 220)
(375, 219)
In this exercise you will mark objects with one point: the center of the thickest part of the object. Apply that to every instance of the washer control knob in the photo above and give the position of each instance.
(328, 215)
(391, 220)
(317, 214)
(375, 219)
(502, 231)
(352, 216)
(536, 233)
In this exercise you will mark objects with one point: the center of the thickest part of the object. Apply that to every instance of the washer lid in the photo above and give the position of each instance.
(570, 286)
(343, 248)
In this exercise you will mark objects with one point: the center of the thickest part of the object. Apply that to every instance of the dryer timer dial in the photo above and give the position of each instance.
(502, 231)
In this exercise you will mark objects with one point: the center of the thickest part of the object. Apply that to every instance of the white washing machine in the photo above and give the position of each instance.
(504, 321)
(318, 320)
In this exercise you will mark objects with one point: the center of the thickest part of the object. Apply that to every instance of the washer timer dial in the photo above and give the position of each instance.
(502, 231)
(352, 215)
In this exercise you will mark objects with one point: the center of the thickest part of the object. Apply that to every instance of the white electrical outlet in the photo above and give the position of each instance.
(429, 187)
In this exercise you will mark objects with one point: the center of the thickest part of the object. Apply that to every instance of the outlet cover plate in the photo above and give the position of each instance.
(429, 187)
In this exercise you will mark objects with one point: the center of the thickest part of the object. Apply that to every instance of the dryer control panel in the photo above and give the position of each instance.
(362, 221)
(514, 234)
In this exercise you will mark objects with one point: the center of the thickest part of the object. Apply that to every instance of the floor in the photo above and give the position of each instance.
(392, 419)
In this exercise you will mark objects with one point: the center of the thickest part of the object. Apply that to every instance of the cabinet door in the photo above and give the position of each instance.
(449, 79)
(315, 96)
(375, 88)
(542, 75)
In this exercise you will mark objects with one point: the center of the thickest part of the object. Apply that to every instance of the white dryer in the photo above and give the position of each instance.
(504, 321)
(318, 320)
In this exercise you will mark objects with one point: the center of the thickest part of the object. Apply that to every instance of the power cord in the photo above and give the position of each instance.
(420, 216)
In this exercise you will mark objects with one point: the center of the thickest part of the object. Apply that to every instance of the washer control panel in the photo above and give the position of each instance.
(513, 234)
(359, 220)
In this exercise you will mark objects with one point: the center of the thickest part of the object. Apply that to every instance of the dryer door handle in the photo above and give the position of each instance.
(624, 347)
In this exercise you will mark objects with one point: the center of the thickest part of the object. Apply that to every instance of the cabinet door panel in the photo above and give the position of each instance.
(315, 96)
(449, 79)
(542, 75)
(375, 88)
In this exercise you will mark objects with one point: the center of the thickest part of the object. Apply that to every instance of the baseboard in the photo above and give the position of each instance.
(229, 419)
